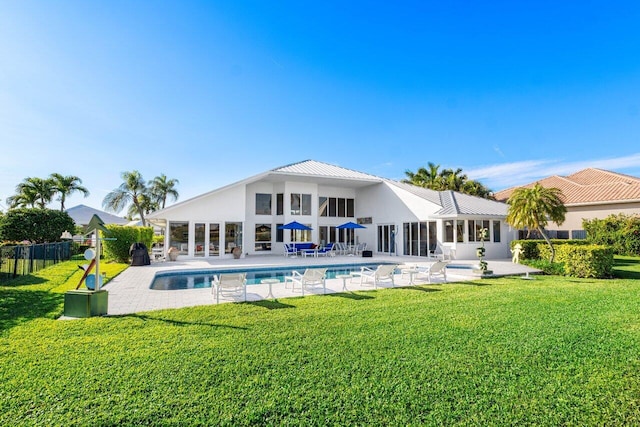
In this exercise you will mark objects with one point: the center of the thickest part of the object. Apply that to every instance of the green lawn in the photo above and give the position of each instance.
(549, 351)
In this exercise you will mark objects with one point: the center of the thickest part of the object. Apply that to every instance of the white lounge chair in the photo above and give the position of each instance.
(229, 284)
(437, 269)
(384, 272)
(443, 253)
(310, 278)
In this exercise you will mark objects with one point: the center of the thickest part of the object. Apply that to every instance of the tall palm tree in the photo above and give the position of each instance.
(130, 191)
(67, 185)
(161, 187)
(33, 191)
(534, 207)
(453, 180)
(447, 179)
(147, 203)
(476, 188)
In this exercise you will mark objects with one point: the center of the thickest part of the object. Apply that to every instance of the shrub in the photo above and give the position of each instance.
(539, 249)
(586, 261)
(621, 232)
(35, 225)
(120, 239)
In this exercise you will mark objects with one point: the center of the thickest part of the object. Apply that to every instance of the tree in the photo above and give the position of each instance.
(427, 178)
(533, 208)
(161, 187)
(447, 179)
(32, 192)
(132, 190)
(67, 185)
(147, 203)
(36, 225)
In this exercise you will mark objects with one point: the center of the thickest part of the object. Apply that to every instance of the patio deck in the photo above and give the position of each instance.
(129, 292)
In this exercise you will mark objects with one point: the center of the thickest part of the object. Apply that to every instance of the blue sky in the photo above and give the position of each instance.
(213, 92)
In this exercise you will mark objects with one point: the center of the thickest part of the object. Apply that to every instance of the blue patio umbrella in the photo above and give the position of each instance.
(294, 225)
(350, 225)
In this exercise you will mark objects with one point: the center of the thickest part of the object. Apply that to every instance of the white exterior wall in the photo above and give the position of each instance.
(388, 205)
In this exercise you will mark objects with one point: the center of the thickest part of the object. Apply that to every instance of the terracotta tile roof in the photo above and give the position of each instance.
(588, 186)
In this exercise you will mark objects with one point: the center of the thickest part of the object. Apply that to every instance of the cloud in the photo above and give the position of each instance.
(506, 175)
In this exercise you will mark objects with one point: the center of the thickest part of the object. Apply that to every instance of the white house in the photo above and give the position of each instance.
(399, 218)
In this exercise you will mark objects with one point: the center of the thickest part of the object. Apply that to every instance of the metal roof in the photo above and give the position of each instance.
(315, 168)
(82, 214)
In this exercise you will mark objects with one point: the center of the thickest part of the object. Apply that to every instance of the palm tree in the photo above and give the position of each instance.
(147, 203)
(132, 190)
(161, 187)
(32, 192)
(427, 178)
(533, 208)
(447, 179)
(27, 199)
(67, 185)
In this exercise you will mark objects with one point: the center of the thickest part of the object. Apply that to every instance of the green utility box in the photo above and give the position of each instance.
(85, 303)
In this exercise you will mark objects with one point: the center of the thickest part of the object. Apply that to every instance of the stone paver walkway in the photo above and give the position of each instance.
(130, 291)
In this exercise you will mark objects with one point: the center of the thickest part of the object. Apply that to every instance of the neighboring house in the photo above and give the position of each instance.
(82, 214)
(588, 194)
(399, 218)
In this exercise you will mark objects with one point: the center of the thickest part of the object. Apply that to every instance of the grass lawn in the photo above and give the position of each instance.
(549, 351)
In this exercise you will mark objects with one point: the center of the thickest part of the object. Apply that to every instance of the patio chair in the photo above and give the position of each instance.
(328, 250)
(360, 248)
(342, 248)
(437, 269)
(384, 272)
(229, 284)
(290, 250)
(311, 277)
(443, 253)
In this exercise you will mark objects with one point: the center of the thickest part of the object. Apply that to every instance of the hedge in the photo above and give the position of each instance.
(579, 257)
(539, 249)
(121, 237)
(34, 225)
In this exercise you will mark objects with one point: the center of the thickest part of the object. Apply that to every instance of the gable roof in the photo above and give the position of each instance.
(588, 186)
(82, 214)
(452, 203)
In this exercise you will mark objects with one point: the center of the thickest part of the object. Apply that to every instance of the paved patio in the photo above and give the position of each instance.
(130, 291)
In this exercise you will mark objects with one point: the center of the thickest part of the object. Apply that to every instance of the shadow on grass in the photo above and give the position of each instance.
(7, 280)
(18, 306)
(420, 288)
(271, 304)
(351, 295)
(178, 322)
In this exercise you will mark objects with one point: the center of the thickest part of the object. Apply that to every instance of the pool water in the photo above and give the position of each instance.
(173, 280)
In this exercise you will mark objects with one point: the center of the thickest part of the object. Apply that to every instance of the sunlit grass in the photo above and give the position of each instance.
(550, 351)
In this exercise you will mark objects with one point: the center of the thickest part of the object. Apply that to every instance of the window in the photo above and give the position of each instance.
(323, 206)
(199, 233)
(342, 208)
(420, 238)
(460, 231)
(496, 231)
(263, 237)
(300, 204)
(295, 204)
(332, 206)
(336, 207)
(279, 204)
(475, 230)
(214, 239)
(179, 236)
(448, 231)
(232, 236)
(306, 204)
(263, 204)
(301, 235)
(279, 233)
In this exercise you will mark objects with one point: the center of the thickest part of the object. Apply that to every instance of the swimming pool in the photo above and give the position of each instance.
(197, 279)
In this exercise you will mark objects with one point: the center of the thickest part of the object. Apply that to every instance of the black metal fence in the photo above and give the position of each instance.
(21, 260)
